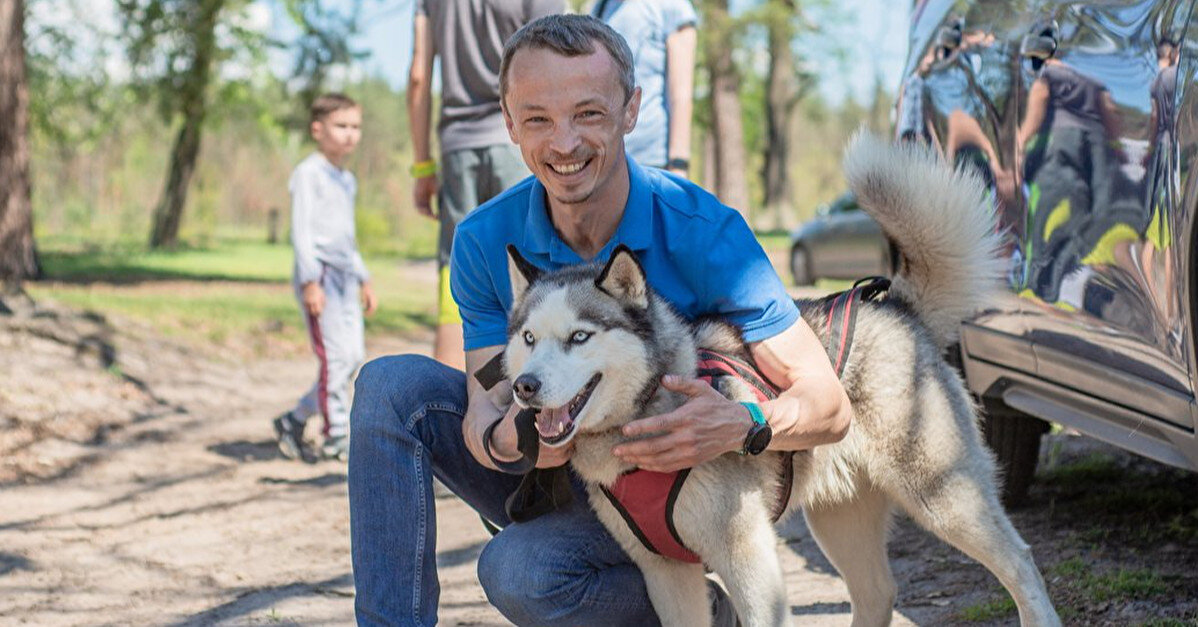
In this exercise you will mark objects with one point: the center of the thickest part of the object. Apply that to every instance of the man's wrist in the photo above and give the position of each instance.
(759, 434)
(678, 163)
(423, 169)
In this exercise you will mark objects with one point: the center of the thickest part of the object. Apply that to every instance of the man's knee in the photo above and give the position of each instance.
(400, 383)
(525, 585)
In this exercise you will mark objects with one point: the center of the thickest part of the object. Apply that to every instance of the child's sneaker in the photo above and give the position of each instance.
(290, 433)
(336, 447)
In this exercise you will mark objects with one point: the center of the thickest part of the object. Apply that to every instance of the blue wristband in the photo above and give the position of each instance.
(755, 412)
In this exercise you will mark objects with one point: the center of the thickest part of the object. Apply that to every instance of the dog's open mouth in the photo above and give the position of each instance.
(556, 425)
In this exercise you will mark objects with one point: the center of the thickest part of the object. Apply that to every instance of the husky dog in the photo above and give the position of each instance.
(595, 340)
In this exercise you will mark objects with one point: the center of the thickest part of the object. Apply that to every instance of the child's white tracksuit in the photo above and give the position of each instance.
(322, 235)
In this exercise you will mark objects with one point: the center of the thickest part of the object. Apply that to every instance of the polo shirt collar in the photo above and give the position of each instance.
(635, 229)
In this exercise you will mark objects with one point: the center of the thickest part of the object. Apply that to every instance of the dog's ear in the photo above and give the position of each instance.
(520, 272)
(624, 278)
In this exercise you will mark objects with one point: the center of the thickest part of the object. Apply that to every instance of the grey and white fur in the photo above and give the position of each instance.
(589, 344)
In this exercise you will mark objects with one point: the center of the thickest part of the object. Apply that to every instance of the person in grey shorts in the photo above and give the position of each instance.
(330, 280)
(478, 160)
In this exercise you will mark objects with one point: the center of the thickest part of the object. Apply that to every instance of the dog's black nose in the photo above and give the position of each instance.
(526, 386)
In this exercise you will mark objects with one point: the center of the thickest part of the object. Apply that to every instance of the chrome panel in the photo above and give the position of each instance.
(983, 342)
(1116, 425)
(1181, 191)
(1102, 279)
(962, 94)
(1122, 384)
(1096, 184)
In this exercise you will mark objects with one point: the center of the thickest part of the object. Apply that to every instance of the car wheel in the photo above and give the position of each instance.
(1015, 439)
(800, 265)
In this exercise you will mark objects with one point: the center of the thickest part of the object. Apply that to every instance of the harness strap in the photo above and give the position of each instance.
(842, 317)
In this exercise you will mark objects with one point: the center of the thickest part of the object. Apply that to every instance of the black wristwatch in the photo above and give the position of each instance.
(760, 433)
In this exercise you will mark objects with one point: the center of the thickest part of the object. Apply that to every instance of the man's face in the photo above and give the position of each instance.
(569, 118)
(338, 133)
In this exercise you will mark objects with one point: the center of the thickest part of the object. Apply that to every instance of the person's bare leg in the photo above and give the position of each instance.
(447, 346)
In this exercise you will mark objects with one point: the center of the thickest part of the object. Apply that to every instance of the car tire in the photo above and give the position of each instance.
(800, 265)
(1015, 439)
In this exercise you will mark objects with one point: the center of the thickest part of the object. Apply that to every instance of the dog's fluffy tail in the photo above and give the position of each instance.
(942, 222)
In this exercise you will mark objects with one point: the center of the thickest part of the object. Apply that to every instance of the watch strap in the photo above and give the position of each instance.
(758, 422)
(678, 163)
(755, 412)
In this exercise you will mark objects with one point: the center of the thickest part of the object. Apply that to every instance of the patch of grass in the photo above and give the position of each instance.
(249, 316)
(235, 294)
(1085, 471)
(1171, 622)
(239, 261)
(1126, 584)
(1123, 504)
(990, 610)
(774, 241)
(1121, 585)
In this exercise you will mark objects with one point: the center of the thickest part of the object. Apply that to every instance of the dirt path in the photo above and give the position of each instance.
(154, 495)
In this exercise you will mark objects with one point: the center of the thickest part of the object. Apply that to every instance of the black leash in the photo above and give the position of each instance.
(542, 490)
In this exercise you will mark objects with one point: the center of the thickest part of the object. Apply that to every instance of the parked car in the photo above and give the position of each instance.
(840, 242)
(1080, 116)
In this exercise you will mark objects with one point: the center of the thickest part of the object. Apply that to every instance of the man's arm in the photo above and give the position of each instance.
(484, 407)
(813, 409)
(680, 72)
(420, 103)
(1037, 108)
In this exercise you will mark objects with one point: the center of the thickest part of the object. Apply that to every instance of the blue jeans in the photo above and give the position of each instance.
(563, 568)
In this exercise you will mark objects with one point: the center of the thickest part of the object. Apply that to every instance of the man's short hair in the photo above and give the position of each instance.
(569, 36)
(329, 103)
(1165, 47)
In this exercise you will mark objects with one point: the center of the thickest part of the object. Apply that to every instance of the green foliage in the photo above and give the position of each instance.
(73, 102)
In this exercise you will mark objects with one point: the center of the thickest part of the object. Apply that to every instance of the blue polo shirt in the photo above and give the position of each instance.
(698, 254)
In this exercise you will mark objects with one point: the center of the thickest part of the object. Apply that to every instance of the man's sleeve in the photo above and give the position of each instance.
(360, 270)
(534, 9)
(303, 206)
(738, 282)
(676, 14)
(484, 320)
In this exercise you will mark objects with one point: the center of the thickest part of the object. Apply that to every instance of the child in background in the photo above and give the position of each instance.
(330, 280)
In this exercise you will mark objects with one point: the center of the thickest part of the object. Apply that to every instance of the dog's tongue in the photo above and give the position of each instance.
(550, 422)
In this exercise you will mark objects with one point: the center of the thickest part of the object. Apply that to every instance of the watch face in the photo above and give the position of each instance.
(759, 438)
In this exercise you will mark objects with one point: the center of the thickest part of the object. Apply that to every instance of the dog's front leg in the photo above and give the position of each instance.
(678, 591)
(748, 564)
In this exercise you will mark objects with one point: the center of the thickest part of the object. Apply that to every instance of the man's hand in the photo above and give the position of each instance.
(504, 439)
(313, 298)
(705, 427)
(370, 302)
(422, 195)
(683, 172)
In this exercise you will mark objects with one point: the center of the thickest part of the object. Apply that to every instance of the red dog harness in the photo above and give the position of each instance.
(645, 499)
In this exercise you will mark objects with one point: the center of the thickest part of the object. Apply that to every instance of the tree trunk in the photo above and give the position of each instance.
(731, 161)
(168, 214)
(18, 256)
(781, 98)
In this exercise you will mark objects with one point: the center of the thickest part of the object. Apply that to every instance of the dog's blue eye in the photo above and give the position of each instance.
(528, 338)
(579, 337)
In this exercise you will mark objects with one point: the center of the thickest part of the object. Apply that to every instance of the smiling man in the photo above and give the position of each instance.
(569, 99)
